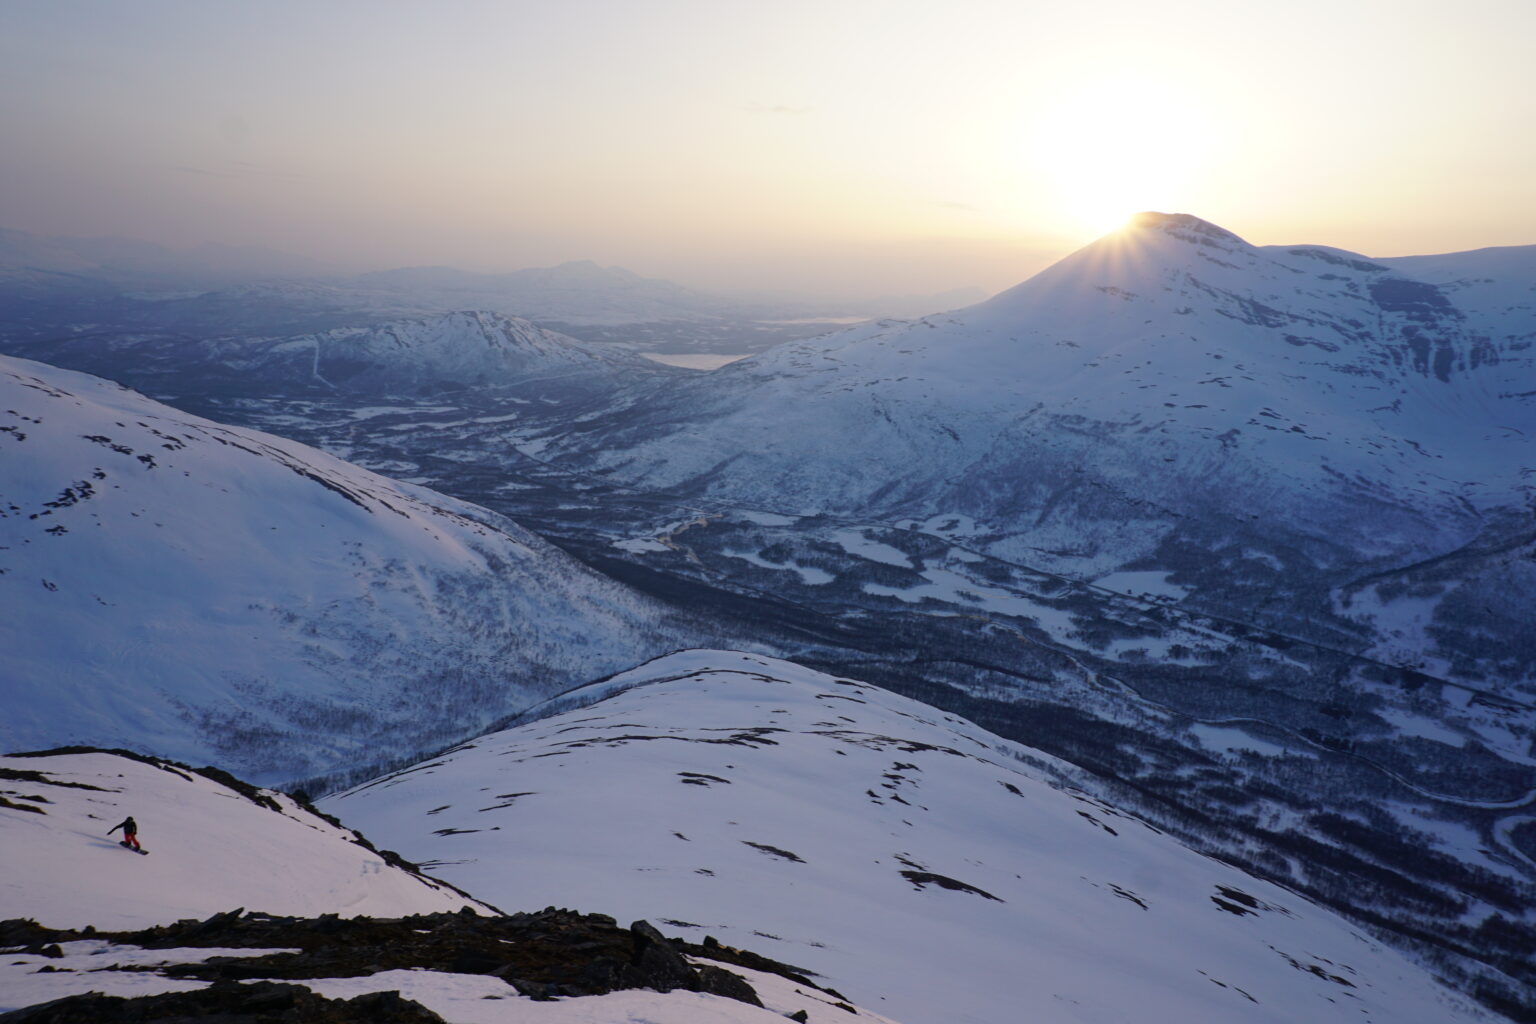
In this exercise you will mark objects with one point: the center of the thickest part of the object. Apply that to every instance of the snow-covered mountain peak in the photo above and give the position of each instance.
(1179, 298)
(451, 334)
(1124, 273)
(589, 271)
(1185, 226)
(1186, 300)
(1166, 274)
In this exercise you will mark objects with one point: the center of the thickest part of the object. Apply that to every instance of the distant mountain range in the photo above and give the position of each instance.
(578, 292)
(1245, 534)
(52, 288)
(38, 261)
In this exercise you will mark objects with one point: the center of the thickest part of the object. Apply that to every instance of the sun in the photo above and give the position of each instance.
(1109, 148)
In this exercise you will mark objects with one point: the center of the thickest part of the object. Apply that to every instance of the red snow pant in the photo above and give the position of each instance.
(131, 839)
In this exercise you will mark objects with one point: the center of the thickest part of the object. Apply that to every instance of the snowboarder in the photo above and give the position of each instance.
(130, 833)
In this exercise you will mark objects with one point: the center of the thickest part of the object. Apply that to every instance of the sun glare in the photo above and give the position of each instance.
(1117, 146)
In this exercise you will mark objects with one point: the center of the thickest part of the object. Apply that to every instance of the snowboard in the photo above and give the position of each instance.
(132, 850)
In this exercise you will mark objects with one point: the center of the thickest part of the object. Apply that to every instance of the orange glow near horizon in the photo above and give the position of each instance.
(1118, 145)
(864, 147)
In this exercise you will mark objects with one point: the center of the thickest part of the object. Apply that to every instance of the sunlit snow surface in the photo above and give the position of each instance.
(211, 849)
(916, 862)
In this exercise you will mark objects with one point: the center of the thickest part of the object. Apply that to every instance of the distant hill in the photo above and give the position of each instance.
(131, 263)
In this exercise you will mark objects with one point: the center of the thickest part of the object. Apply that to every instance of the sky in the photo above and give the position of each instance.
(831, 146)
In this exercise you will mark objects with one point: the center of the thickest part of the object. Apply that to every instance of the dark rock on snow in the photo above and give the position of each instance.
(545, 955)
(229, 1003)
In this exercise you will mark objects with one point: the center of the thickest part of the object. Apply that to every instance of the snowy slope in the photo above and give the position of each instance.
(1496, 286)
(212, 847)
(1497, 289)
(917, 863)
(215, 594)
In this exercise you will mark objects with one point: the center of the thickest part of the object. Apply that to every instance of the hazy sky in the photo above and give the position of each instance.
(861, 145)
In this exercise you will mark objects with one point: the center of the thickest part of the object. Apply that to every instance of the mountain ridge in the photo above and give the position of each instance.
(210, 592)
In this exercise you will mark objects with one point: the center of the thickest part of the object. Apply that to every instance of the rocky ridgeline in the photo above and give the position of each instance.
(545, 955)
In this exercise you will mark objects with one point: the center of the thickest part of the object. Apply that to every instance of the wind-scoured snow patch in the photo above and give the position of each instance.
(640, 545)
(761, 518)
(1232, 740)
(909, 858)
(809, 574)
(211, 847)
(1147, 585)
(858, 543)
(1408, 724)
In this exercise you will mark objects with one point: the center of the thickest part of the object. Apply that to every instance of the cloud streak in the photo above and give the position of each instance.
(776, 108)
(237, 169)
